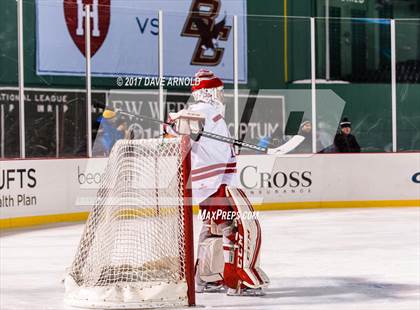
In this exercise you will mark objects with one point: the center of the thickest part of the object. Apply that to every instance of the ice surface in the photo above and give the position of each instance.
(355, 259)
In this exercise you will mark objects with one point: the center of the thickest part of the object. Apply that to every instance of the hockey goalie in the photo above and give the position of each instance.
(229, 245)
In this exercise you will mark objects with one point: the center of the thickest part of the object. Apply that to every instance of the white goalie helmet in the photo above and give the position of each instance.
(208, 88)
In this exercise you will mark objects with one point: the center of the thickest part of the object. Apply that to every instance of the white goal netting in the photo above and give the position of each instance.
(135, 251)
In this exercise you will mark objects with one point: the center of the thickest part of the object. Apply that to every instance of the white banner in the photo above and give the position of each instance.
(330, 177)
(125, 37)
(60, 186)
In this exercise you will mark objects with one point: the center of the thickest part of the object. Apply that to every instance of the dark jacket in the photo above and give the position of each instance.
(346, 143)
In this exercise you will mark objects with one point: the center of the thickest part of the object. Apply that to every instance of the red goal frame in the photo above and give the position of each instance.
(188, 218)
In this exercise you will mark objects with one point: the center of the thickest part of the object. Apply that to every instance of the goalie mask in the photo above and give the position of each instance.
(209, 89)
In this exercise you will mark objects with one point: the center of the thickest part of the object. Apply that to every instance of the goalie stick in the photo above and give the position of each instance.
(282, 149)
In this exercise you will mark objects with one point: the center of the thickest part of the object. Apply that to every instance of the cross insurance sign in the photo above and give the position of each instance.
(124, 37)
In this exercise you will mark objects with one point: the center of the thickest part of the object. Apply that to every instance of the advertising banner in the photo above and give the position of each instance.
(124, 37)
(264, 115)
(62, 186)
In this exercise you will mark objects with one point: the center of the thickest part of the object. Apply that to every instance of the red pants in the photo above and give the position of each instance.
(217, 201)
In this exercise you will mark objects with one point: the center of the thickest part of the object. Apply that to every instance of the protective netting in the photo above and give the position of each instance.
(134, 237)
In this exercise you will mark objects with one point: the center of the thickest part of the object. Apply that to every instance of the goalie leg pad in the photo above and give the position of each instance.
(210, 264)
(242, 246)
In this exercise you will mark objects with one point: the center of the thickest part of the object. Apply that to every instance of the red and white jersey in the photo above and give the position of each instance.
(213, 162)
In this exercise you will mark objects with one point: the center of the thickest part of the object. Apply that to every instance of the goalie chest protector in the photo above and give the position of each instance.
(213, 162)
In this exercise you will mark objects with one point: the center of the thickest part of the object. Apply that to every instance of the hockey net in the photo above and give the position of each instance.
(136, 248)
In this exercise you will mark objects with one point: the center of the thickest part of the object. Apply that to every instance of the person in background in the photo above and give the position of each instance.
(110, 130)
(305, 130)
(344, 141)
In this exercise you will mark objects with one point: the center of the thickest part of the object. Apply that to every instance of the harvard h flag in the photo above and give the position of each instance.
(75, 14)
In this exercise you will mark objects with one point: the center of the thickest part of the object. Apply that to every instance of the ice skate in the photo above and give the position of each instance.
(245, 291)
(209, 287)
